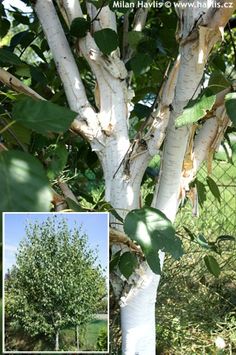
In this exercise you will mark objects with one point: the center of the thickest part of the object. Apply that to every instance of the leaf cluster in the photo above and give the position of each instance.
(55, 281)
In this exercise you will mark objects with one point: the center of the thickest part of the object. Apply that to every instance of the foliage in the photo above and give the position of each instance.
(153, 231)
(54, 264)
(22, 175)
(230, 104)
(102, 340)
(26, 54)
(66, 157)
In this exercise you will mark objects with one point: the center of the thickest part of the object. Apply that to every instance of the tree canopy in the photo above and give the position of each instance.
(56, 281)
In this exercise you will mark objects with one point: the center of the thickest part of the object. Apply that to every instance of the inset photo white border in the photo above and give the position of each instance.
(93, 225)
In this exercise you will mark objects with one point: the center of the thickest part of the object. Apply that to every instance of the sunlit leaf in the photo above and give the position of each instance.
(196, 110)
(153, 231)
(24, 182)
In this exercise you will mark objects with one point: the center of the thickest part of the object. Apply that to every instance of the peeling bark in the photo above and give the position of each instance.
(124, 162)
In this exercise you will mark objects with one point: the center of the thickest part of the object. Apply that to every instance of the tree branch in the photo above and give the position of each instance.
(139, 22)
(17, 85)
(67, 191)
(152, 134)
(62, 55)
(197, 34)
(107, 70)
(68, 71)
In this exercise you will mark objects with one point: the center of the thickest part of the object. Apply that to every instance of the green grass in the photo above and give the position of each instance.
(91, 333)
(193, 307)
(18, 340)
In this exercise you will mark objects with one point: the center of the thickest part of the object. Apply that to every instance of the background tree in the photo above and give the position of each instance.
(55, 282)
(127, 78)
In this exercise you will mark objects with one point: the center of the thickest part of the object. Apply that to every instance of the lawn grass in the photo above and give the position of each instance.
(89, 335)
(92, 332)
(194, 307)
(18, 340)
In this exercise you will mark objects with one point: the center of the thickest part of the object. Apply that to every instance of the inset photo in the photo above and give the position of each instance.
(55, 282)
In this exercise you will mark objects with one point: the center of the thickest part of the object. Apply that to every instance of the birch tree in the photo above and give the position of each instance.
(184, 125)
(55, 282)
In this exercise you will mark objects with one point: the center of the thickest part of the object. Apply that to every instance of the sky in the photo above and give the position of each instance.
(95, 225)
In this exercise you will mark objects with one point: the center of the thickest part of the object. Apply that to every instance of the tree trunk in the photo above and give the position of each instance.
(57, 340)
(77, 337)
(107, 131)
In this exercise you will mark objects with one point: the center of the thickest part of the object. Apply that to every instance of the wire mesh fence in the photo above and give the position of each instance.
(215, 217)
(194, 306)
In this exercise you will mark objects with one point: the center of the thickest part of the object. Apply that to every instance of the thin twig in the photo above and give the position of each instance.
(99, 11)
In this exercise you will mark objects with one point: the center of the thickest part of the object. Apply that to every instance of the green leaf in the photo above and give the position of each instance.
(25, 20)
(42, 116)
(153, 231)
(230, 105)
(140, 63)
(114, 261)
(219, 62)
(39, 52)
(128, 262)
(9, 58)
(24, 38)
(223, 238)
(201, 191)
(196, 110)
(24, 182)
(212, 265)
(79, 27)
(57, 155)
(106, 40)
(141, 110)
(153, 261)
(213, 188)
(74, 206)
(4, 27)
(201, 240)
(134, 37)
(23, 70)
(218, 82)
(20, 132)
(188, 231)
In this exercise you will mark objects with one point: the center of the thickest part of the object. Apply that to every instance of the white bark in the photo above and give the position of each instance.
(193, 58)
(69, 73)
(62, 54)
(17, 85)
(122, 174)
(57, 340)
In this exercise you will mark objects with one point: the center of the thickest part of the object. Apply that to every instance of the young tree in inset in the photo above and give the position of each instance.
(56, 281)
(134, 77)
